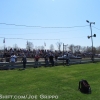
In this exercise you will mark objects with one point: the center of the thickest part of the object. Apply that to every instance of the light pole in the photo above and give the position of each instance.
(91, 37)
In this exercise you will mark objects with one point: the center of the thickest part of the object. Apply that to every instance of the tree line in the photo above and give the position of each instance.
(59, 45)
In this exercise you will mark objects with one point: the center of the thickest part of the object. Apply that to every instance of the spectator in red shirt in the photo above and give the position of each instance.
(36, 60)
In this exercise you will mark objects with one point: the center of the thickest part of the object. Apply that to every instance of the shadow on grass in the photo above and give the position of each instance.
(21, 69)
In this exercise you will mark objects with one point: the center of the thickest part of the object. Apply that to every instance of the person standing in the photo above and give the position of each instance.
(46, 60)
(24, 60)
(37, 57)
(12, 60)
(56, 58)
(51, 59)
(67, 59)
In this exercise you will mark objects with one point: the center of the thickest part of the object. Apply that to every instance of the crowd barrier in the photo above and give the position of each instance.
(19, 64)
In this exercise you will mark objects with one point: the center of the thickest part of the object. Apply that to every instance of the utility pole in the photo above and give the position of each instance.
(91, 38)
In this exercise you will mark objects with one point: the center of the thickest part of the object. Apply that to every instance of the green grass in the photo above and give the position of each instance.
(55, 81)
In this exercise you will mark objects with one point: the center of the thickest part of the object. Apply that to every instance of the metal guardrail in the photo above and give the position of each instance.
(19, 64)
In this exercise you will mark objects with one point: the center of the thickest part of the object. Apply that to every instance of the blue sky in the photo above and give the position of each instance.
(52, 16)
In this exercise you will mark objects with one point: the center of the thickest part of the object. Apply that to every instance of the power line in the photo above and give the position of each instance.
(41, 26)
(96, 28)
(29, 39)
(17, 25)
(67, 27)
(42, 39)
(74, 37)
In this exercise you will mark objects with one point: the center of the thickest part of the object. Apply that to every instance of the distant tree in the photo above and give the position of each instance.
(2, 48)
(98, 49)
(29, 45)
(72, 48)
(36, 47)
(42, 48)
(94, 50)
(39, 47)
(78, 48)
(59, 44)
(15, 46)
(52, 47)
(88, 49)
(8, 47)
(83, 49)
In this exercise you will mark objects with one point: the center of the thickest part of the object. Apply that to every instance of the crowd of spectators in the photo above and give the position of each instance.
(6, 54)
(50, 57)
(29, 53)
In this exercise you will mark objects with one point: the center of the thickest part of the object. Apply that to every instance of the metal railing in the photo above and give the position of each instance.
(19, 64)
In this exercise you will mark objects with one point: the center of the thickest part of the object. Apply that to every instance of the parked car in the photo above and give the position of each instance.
(70, 56)
(98, 55)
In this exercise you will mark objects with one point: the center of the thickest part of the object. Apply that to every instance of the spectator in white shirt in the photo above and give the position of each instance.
(12, 60)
